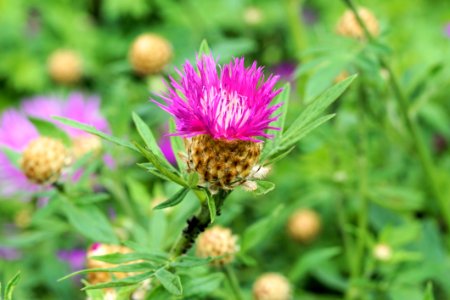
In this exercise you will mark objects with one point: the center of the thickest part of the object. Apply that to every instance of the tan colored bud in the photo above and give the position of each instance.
(98, 249)
(43, 160)
(64, 66)
(253, 15)
(217, 241)
(382, 252)
(84, 144)
(149, 53)
(271, 286)
(221, 163)
(22, 219)
(304, 225)
(348, 24)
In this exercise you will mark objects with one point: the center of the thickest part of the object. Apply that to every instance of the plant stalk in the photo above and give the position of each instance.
(421, 148)
(232, 281)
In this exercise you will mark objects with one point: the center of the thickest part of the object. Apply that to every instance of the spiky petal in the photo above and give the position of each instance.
(231, 102)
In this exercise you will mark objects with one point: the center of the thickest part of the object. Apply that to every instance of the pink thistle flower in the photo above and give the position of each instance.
(78, 107)
(15, 134)
(222, 111)
(232, 103)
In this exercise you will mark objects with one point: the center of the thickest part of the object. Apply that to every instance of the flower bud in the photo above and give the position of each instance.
(222, 163)
(382, 252)
(99, 249)
(271, 286)
(217, 241)
(304, 225)
(149, 53)
(64, 66)
(253, 15)
(348, 24)
(84, 144)
(43, 160)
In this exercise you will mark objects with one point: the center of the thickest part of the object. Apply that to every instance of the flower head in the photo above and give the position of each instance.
(271, 286)
(217, 242)
(75, 258)
(232, 103)
(304, 225)
(348, 24)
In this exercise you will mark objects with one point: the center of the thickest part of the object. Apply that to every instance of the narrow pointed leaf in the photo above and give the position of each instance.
(122, 282)
(211, 207)
(9, 290)
(169, 281)
(92, 130)
(175, 199)
(49, 129)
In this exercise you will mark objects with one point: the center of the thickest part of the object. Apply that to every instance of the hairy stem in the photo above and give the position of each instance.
(197, 224)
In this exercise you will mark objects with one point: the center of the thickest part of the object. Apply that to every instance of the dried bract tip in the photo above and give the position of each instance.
(149, 54)
(43, 160)
(304, 225)
(348, 24)
(222, 163)
(64, 66)
(271, 286)
(217, 242)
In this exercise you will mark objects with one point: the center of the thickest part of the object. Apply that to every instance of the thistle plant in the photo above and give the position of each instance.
(228, 128)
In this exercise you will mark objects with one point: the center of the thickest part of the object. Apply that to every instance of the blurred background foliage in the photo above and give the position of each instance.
(323, 174)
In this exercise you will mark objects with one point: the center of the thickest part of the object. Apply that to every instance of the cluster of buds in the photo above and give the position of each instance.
(348, 24)
(64, 66)
(271, 286)
(218, 243)
(43, 160)
(99, 249)
(149, 54)
(304, 225)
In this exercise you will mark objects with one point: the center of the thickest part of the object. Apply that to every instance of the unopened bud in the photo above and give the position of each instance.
(348, 24)
(304, 225)
(149, 53)
(253, 15)
(271, 286)
(382, 252)
(217, 242)
(64, 66)
(43, 160)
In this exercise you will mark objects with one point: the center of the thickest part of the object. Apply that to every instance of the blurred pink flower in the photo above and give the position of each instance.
(228, 102)
(75, 258)
(447, 30)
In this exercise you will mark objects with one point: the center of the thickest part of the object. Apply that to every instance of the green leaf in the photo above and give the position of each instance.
(309, 118)
(92, 130)
(264, 187)
(283, 98)
(122, 282)
(211, 206)
(170, 281)
(204, 48)
(120, 258)
(175, 199)
(160, 167)
(149, 139)
(258, 231)
(11, 286)
(186, 261)
(49, 129)
(429, 292)
(13, 156)
(90, 222)
(202, 285)
(127, 268)
(311, 260)
(177, 145)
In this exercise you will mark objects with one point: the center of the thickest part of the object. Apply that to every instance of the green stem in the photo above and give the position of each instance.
(403, 103)
(293, 10)
(232, 281)
(196, 225)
